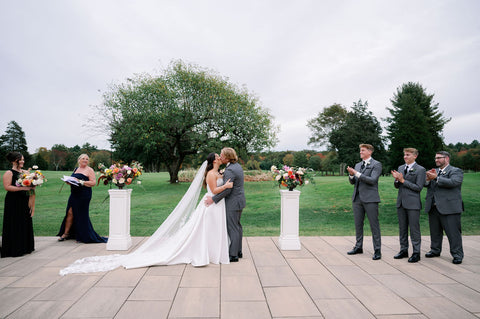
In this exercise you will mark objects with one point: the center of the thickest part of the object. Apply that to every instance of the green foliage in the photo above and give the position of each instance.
(327, 121)
(315, 162)
(415, 122)
(13, 140)
(360, 126)
(183, 111)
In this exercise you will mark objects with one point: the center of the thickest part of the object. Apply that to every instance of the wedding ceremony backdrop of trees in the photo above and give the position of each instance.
(171, 121)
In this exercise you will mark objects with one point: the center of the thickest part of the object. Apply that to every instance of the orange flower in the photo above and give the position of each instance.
(26, 182)
(129, 181)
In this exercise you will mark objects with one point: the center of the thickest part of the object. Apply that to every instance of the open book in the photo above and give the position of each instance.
(70, 180)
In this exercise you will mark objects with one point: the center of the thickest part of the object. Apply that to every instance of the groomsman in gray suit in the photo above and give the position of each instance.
(234, 201)
(409, 179)
(365, 199)
(444, 206)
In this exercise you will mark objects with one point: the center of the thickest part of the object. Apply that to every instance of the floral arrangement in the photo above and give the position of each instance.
(290, 177)
(120, 174)
(27, 178)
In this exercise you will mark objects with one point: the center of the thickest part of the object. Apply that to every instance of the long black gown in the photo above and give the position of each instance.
(79, 200)
(17, 236)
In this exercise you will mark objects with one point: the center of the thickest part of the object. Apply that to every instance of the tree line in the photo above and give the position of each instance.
(63, 158)
(173, 119)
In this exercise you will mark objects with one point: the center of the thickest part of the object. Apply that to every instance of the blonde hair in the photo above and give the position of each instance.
(82, 155)
(412, 150)
(230, 154)
(367, 146)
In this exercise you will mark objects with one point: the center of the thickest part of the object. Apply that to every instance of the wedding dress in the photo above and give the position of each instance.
(192, 233)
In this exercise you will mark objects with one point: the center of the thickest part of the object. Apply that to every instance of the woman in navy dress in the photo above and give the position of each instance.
(17, 235)
(76, 223)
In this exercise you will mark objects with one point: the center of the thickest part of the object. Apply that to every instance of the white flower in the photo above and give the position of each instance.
(114, 181)
(285, 175)
(277, 178)
(273, 168)
(121, 180)
(307, 182)
(139, 182)
(129, 172)
(35, 167)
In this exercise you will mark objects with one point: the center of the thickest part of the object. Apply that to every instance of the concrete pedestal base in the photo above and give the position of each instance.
(119, 226)
(289, 224)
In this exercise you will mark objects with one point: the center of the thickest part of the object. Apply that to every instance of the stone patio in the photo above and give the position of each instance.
(318, 281)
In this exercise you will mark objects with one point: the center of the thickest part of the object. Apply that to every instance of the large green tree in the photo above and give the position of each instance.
(360, 126)
(185, 110)
(14, 140)
(325, 123)
(415, 122)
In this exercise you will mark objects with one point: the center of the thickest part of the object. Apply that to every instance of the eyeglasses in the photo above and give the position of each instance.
(439, 157)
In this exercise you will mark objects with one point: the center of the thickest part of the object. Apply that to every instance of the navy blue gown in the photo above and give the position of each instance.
(17, 235)
(79, 200)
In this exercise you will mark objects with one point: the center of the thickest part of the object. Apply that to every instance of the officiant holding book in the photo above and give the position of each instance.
(76, 223)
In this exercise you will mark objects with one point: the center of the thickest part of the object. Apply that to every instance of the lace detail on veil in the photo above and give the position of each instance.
(162, 236)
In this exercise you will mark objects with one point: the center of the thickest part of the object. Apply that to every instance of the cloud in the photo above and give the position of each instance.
(57, 58)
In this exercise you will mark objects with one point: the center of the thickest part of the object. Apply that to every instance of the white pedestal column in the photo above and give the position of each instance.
(290, 202)
(119, 228)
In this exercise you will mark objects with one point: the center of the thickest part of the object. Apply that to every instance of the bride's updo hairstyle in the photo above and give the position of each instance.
(210, 159)
(230, 154)
(14, 157)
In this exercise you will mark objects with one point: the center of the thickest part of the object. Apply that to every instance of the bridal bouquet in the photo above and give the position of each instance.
(27, 178)
(290, 177)
(120, 174)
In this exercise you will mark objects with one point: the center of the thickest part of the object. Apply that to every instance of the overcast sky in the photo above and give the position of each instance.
(58, 57)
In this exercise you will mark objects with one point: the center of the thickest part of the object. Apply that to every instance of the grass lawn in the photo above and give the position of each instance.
(325, 208)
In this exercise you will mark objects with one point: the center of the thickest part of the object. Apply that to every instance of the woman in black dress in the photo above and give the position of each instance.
(17, 236)
(76, 223)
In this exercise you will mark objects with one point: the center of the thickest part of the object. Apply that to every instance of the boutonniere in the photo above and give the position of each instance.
(222, 171)
(411, 170)
(368, 163)
(443, 173)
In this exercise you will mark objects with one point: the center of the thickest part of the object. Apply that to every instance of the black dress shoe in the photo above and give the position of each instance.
(233, 259)
(377, 255)
(401, 254)
(415, 258)
(240, 255)
(431, 254)
(355, 251)
(456, 261)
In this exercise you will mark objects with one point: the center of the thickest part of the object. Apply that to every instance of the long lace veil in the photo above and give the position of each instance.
(174, 223)
(180, 215)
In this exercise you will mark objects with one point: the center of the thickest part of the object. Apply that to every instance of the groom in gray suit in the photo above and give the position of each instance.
(234, 201)
(444, 206)
(365, 199)
(409, 179)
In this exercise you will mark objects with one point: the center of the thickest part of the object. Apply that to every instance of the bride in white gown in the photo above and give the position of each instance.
(191, 234)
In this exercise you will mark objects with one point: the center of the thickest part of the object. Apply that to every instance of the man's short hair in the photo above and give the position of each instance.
(367, 146)
(230, 154)
(412, 150)
(444, 153)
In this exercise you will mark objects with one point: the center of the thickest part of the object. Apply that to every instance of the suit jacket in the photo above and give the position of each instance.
(235, 196)
(367, 184)
(409, 192)
(446, 190)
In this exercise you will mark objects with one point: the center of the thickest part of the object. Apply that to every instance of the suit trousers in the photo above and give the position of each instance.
(371, 210)
(235, 232)
(409, 218)
(451, 224)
